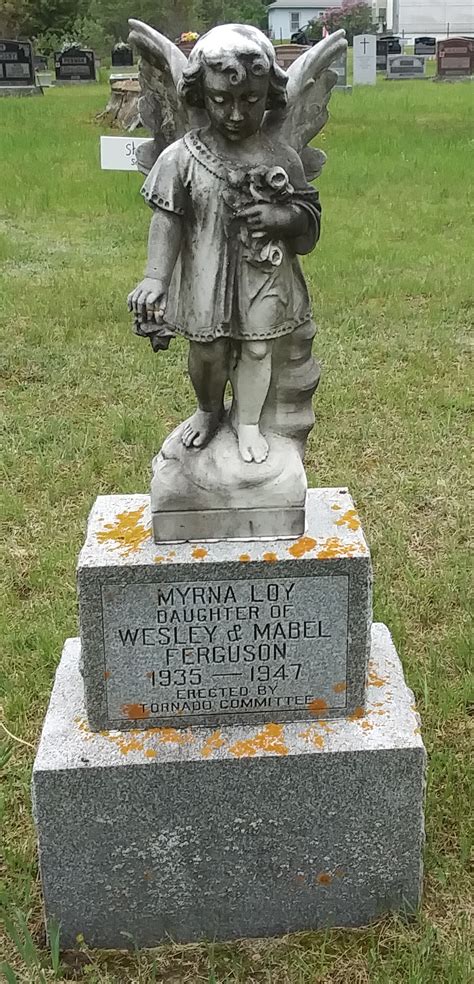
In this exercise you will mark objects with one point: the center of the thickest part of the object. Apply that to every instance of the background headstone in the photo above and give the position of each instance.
(406, 66)
(122, 54)
(364, 68)
(387, 45)
(16, 64)
(425, 46)
(40, 63)
(286, 54)
(122, 106)
(340, 67)
(455, 58)
(75, 65)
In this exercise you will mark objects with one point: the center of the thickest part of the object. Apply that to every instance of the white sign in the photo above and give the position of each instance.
(120, 153)
(365, 67)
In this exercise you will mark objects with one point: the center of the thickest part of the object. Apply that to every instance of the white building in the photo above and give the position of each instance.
(285, 16)
(413, 18)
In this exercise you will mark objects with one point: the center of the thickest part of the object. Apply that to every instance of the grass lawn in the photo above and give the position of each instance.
(86, 405)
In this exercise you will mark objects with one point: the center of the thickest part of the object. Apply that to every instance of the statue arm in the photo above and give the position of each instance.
(304, 202)
(164, 241)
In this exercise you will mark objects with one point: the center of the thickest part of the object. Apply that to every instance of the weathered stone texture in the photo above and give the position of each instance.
(202, 633)
(240, 831)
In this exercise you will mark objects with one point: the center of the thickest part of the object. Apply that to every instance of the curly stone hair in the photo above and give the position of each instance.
(236, 50)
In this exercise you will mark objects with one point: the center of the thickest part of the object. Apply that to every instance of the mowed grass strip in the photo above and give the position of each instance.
(87, 404)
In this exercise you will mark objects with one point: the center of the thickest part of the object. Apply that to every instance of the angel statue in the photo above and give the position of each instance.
(228, 177)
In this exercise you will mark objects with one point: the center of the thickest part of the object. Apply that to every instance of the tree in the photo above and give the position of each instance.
(56, 16)
(212, 12)
(355, 16)
(13, 18)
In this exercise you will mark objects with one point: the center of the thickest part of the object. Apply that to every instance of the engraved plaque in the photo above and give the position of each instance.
(198, 652)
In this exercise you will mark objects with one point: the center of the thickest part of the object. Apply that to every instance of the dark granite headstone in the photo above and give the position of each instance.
(387, 45)
(455, 58)
(425, 46)
(122, 54)
(16, 64)
(75, 65)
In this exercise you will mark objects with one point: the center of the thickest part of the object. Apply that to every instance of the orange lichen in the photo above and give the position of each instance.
(317, 705)
(244, 558)
(158, 559)
(325, 878)
(211, 745)
(270, 557)
(357, 714)
(335, 506)
(199, 553)
(374, 680)
(366, 725)
(171, 554)
(135, 712)
(171, 736)
(151, 753)
(127, 532)
(302, 546)
(106, 675)
(349, 519)
(312, 735)
(340, 687)
(270, 739)
(334, 547)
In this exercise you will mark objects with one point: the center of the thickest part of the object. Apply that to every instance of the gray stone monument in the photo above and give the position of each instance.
(230, 748)
(406, 67)
(364, 70)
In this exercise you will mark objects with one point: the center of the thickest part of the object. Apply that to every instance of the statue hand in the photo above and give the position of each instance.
(148, 300)
(278, 221)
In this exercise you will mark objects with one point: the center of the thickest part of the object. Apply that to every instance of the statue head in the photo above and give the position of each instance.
(232, 73)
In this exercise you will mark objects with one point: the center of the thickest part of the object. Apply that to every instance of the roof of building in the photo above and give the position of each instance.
(302, 5)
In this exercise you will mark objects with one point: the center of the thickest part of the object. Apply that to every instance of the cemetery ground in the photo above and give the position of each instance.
(87, 404)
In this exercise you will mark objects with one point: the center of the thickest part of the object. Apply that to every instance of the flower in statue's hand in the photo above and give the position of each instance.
(277, 179)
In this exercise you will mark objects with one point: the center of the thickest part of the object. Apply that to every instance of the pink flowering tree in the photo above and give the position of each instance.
(355, 16)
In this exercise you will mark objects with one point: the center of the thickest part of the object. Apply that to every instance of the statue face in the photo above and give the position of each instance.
(235, 109)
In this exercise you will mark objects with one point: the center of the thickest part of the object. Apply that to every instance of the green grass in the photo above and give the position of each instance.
(87, 405)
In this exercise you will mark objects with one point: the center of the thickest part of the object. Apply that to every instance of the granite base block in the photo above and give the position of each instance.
(212, 632)
(238, 832)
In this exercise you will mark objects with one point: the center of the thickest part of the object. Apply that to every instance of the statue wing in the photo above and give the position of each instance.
(310, 83)
(160, 69)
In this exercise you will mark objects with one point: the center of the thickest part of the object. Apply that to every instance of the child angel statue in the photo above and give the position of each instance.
(232, 210)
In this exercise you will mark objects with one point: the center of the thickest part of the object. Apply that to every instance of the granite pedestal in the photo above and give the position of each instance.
(236, 832)
(223, 631)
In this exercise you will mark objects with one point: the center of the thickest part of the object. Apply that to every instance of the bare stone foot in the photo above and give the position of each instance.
(252, 444)
(199, 429)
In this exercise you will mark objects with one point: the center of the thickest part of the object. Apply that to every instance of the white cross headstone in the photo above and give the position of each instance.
(365, 70)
